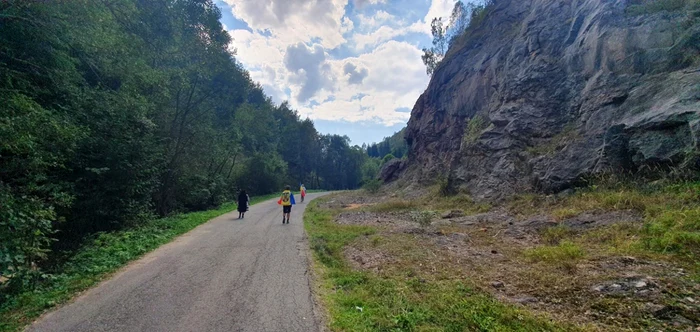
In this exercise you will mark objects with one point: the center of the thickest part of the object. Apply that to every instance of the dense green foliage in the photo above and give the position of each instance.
(395, 145)
(114, 111)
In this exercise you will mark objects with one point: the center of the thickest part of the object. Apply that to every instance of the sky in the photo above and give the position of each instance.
(352, 66)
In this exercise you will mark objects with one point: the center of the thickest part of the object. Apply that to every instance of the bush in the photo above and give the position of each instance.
(388, 158)
(372, 186)
(25, 230)
(423, 218)
(475, 126)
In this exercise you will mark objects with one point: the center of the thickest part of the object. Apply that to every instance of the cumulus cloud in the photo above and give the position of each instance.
(383, 34)
(438, 8)
(347, 25)
(395, 78)
(309, 69)
(360, 3)
(355, 76)
(294, 20)
(290, 49)
(380, 17)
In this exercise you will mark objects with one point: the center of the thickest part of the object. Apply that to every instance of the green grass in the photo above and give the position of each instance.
(401, 298)
(566, 254)
(474, 127)
(670, 226)
(555, 143)
(97, 260)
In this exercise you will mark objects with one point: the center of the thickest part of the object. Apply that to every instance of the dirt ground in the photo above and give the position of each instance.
(604, 290)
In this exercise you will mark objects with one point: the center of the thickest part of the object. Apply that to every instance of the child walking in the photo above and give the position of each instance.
(286, 200)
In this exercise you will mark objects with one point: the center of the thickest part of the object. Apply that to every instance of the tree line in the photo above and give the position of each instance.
(394, 145)
(114, 112)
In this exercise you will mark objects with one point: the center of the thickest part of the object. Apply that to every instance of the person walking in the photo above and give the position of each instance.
(302, 192)
(243, 203)
(286, 200)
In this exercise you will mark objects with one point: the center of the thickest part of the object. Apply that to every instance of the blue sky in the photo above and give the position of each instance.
(352, 66)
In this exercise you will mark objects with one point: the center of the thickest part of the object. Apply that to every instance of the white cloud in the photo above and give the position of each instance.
(383, 34)
(438, 8)
(361, 3)
(347, 25)
(292, 60)
(379, 18)
(395, 78)
(294, 20)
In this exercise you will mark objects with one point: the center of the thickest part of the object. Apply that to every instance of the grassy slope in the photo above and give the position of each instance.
(404, 297)
(419, 290)
(100, 258)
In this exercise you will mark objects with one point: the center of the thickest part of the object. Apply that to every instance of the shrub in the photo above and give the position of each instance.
(475, 126)
(372, 186)
(423, 218)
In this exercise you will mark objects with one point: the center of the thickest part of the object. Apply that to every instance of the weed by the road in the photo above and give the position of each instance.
(103, 255)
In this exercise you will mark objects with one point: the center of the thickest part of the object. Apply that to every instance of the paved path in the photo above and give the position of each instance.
(226, 275)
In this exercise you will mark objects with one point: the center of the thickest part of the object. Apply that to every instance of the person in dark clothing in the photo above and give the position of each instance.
(243, 203)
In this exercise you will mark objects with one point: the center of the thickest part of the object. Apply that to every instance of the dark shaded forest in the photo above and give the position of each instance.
(394, 145)
(116, 112)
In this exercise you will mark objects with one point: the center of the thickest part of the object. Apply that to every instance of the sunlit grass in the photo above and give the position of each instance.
(410, 294)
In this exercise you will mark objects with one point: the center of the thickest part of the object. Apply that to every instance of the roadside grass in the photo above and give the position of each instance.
(418, 290)
(435, 202)
(671, 216)
(559, 266)
(103, 255)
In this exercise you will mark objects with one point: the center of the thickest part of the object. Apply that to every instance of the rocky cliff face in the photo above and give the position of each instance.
(544, 92)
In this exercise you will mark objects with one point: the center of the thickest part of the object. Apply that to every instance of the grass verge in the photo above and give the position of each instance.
(404, 295)
(671, 217)
(97, 260)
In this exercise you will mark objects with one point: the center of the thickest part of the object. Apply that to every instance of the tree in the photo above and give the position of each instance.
(432, 56)
(444, 36)
(115, 112)
(459, 19)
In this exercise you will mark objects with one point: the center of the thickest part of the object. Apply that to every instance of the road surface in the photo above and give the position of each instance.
(226, 275)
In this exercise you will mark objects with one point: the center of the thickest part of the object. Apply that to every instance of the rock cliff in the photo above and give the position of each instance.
(544, 92)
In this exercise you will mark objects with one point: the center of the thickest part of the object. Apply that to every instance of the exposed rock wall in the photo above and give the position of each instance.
(543, 92)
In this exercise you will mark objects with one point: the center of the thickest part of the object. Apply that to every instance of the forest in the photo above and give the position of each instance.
(394, 145)
(117, 112)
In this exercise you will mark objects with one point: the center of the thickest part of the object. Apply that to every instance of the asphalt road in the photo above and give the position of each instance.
(226, 275)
